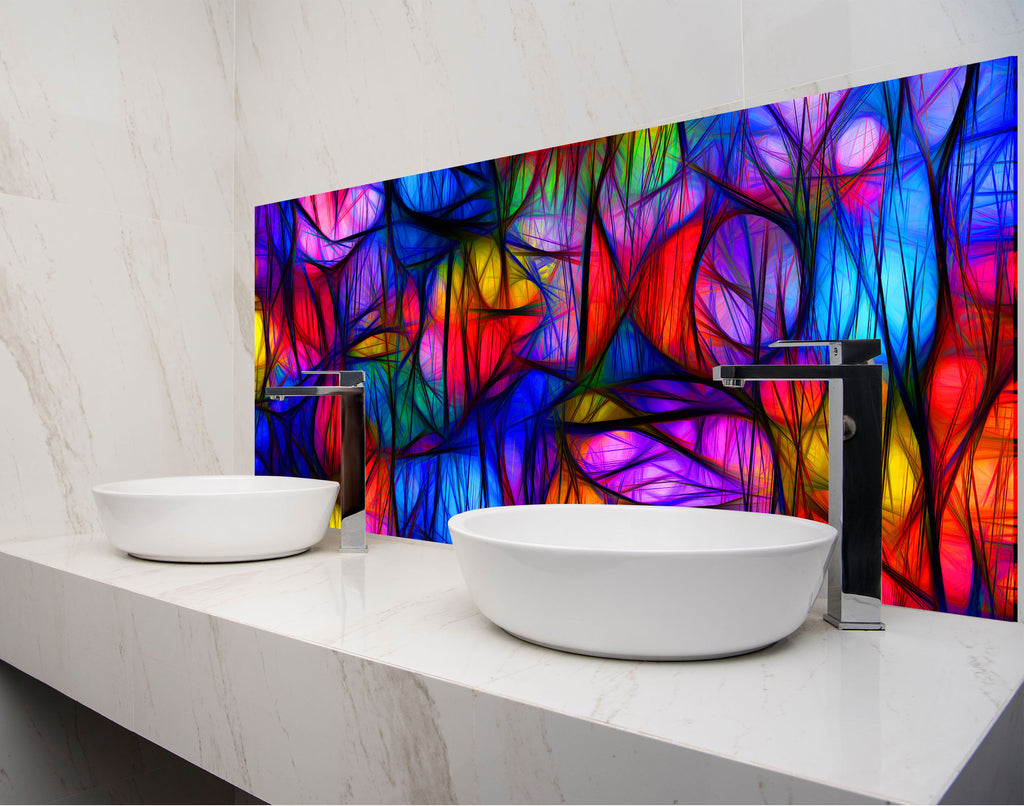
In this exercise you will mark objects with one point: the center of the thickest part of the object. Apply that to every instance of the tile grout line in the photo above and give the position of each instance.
(233, 238)
(743, 61)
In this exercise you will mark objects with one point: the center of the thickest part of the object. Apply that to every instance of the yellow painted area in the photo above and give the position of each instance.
(378, 345)
(486, 263)
(592, 407)
(514, 290)
(802, 454)
(439, 290)
(522, 291)
(896, 493)
(801, 475)
(902, 470)
(814, 446)
(259, 349)
(810, 461)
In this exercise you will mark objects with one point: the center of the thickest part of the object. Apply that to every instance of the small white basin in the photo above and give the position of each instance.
(210, 519)
(642, 582)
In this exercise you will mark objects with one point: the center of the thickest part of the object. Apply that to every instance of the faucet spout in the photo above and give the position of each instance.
(855, 469)
(348, 387)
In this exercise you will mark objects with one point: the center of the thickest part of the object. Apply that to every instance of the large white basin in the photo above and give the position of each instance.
(642, 582)
(209, 519)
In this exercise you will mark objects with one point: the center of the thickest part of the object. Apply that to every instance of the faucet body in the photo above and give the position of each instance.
(351, 429)
(855, 469)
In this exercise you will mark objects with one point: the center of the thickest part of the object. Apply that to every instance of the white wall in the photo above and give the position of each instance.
(116, 316)
(116, 138)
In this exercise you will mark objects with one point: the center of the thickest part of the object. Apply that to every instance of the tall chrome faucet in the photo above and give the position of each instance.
(854, 469)
(348, 387)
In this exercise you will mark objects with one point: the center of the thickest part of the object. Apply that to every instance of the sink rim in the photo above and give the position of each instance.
(270, 485)
(817, 533)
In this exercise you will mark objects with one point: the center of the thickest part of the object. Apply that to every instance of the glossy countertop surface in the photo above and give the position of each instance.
(894, 714)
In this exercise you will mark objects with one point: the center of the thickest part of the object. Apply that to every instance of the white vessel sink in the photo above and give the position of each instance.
(642, 582)
(209, 519)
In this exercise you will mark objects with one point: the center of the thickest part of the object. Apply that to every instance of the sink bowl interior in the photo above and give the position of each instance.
(652, 583)
(215, 518)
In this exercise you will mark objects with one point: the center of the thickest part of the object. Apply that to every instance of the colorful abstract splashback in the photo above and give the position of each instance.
(542, 327)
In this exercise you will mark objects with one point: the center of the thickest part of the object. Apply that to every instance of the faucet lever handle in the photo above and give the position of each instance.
(840, 351)
(341, 377)
(324, 372)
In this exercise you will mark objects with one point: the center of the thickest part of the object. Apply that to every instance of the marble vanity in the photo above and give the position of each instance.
(373, 678)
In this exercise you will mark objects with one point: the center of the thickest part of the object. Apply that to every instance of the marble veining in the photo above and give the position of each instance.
(386, 654)
(26, 338)
(115, 374)
(116, 193)
(464, 81)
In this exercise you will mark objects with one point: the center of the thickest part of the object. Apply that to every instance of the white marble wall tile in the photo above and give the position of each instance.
(115, 250)
(812, 46)
(120, 105)
(506, 78)
(903, 65)
(332, 95)
(297, 126)
(243, 348)
(116, 344)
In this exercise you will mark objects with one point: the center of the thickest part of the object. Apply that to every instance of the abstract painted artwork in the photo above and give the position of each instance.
(542, 327)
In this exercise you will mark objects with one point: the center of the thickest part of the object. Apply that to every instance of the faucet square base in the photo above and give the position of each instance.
(853, 625)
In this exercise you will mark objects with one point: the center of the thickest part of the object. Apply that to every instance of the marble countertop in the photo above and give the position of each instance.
(894, 715)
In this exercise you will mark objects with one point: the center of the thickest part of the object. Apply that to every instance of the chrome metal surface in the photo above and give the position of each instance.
(281, 392)
(350, 426)
(855, 468)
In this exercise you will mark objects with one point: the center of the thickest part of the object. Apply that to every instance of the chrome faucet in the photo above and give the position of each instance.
(349, 388)
(854, 469)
